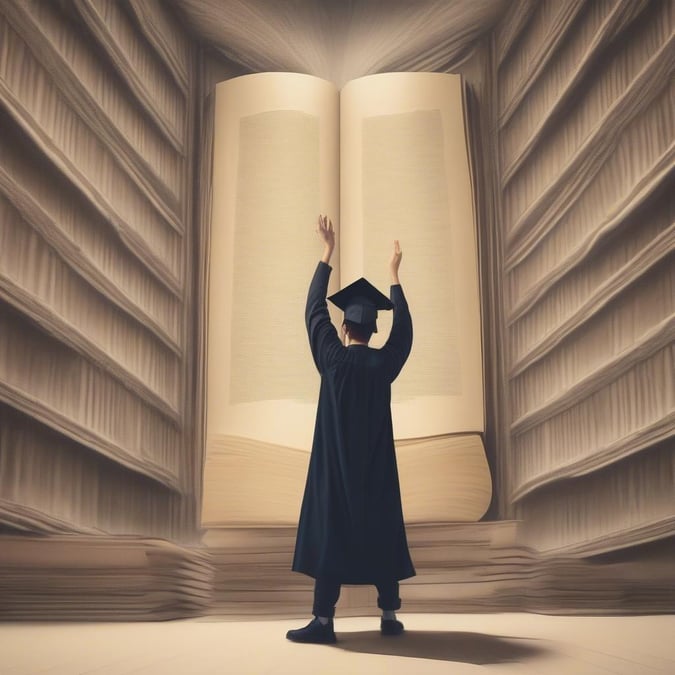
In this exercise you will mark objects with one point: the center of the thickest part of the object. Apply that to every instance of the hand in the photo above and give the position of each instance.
(395, 262)
(327, 233)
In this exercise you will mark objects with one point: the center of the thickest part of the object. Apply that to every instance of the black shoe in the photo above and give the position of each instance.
(391, 627)
(314, 632)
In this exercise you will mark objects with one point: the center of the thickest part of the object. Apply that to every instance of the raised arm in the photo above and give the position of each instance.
(323, 338)
(399, 344)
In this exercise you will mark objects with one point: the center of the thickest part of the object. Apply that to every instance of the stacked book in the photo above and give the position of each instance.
(252, 572)
(81, 577)
(461, 567)
(574, 585)
(467, 567)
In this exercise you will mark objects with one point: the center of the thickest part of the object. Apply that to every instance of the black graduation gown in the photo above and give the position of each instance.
(351, 521)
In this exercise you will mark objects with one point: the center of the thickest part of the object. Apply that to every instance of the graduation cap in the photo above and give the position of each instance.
(360, 302)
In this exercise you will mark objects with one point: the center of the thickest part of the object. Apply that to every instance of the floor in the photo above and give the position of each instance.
(523, 644)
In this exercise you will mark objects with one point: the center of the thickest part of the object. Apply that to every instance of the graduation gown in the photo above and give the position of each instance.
(351, 521)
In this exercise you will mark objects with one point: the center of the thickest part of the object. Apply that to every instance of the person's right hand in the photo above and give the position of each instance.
(395, 262)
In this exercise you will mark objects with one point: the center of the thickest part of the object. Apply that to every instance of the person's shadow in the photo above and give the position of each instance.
(475, 648)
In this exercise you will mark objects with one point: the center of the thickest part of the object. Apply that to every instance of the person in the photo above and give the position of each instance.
(351, 528)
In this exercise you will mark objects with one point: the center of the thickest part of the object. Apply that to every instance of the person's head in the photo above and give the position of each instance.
(357, 332)
(360, 302)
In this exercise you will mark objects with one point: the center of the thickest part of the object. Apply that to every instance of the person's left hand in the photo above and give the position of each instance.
(326, 230)
(395, 262)
(327, 233)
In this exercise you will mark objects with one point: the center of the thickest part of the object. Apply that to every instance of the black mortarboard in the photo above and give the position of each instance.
(360, 302)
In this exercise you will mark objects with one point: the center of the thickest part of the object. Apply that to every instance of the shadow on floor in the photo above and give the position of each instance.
(475, 648)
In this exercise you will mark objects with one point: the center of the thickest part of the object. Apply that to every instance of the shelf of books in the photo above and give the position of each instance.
(585, 133)
(96, 275)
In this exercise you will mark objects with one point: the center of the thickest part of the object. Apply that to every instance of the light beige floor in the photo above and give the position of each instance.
(523, 644)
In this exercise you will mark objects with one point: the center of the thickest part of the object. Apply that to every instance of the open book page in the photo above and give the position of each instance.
(275, 169)
(405, 175)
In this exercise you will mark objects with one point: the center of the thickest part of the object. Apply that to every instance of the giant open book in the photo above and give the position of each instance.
(386, 157)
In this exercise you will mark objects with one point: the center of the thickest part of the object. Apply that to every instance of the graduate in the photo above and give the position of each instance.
(351, 528)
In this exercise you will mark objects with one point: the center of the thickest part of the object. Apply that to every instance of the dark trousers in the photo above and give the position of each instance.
(327, 592)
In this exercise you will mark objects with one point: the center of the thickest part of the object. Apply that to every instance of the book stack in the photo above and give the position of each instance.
(253, 572)
(74, 577)
(461, 567)
(467, 567)
(575, 585)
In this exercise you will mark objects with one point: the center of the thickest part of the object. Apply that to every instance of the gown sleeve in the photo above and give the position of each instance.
(399, 344)
(323, 338)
